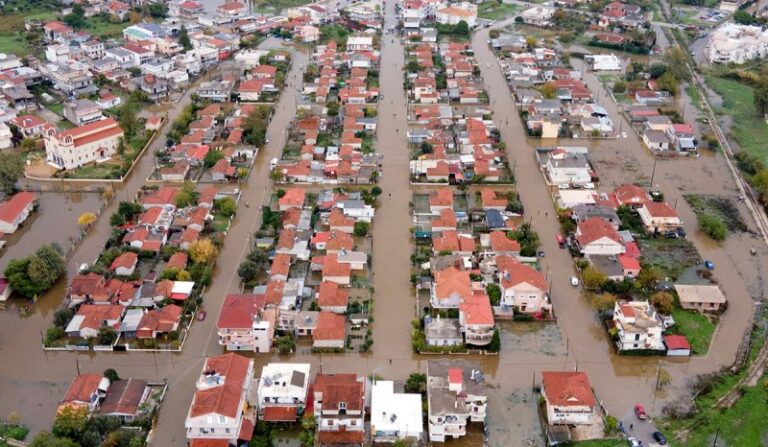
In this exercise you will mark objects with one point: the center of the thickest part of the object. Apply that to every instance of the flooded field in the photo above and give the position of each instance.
(32, 381)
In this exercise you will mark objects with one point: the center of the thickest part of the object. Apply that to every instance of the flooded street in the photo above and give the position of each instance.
(32, 381)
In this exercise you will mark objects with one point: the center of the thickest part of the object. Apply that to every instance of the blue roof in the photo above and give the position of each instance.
(493, 219)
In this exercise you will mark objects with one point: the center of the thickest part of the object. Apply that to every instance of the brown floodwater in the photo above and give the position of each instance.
(32, 381)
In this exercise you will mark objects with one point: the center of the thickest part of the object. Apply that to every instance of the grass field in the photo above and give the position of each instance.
(741, 425)
(493, 10)
(749, 130)
(98, 26)
(277, 5)
(697, 328)
(12, 30)
(694, 94)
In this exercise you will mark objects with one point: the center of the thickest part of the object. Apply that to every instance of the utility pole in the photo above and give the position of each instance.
(77, 364)
(717, 435)
(653, 171)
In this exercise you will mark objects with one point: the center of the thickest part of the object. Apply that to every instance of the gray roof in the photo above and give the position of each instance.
(607, 265)
(442, 328)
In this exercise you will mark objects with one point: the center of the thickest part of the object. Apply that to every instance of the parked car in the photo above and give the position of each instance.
(540, 253)
(709, 265)
(633, 442)
(560, 240)
(273, 164)
(659, 437)
(640, 412)
(574, 281)
(201, 315)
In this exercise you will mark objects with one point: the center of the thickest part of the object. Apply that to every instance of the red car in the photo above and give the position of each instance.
(640, 412)
(560, 240)
(201, 315)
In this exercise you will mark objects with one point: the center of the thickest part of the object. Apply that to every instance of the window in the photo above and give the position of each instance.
(342, 405)
(222, 419)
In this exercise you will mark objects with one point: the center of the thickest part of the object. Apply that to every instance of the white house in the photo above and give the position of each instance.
(394, 415)
(244, 325)
(339, 409)
(522, 288)
(456, 394)
(734, 43)
(659, 216)
(606, 62)
(637, 326)
(15, 211)
(568, 397)
(359, 43)
(596, 236)
(217, 410)
(5, 136)
(282, 391)
(565, 167)
(93, 142)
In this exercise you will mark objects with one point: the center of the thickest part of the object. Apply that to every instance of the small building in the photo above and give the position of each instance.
(659, 217)
(125, 399)
(677, 346)
(704, 298)
(125, 264)
(394, 416)
(637, 326)
(442, 331)
(93, 142)
(241, 327)
(15, 211)
(330, 331)
(605, 62)
(86, 391)
(338, 403)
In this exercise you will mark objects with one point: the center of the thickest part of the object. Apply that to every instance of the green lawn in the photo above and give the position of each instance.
(98, 26)
(744, 424)
(56, 107)
(697, 328)
(12, 30)
(277, 5)
(492, 10)
(694, 94)
(749, 130)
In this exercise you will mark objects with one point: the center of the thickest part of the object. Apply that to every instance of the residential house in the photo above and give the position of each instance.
(522, 288)
(596, 236)
(125, 264)
(245, 325)
(339, 409)
(330, 331)
(395, 416)
(90, 318)
(82, 111)
(476, 319)
(637, 326)
(568, 398)
(126, 399)
(15, 211)
(282, 391)
(701, 297)
(456, 395)
(659, 217)
(157, 322)
(332, 298)
(217, 412)
(85, 392)
(450, 288)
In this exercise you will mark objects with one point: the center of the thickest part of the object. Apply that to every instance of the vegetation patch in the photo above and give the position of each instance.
(493, 10)
(697, 328)
(720, 207)
(670, 256)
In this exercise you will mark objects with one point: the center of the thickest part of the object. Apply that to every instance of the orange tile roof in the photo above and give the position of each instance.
(330, 326)
(331, 295)
(452, 281)
(477, 309)
(565, 388)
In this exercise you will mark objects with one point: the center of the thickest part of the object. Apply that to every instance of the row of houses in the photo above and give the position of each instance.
(416, 14)
(348, 409)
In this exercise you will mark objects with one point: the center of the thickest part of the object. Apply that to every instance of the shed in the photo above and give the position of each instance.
(677, 346)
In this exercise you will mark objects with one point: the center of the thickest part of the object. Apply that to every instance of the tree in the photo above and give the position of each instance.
(531, 42)
(187, 195)
(713, 226)
(212, 157)
(648, 277)
(603, 302)
(62, 317)
(70, 422)
(184, 40)
(86, 219)
(11, 169)
(361, 229)
(760, 98)
(36, 273)
(226, 206)
(742, 17)
(412, 66)
(112, 375)
(157, 10)
(619, 87)
(663, 302)
(669, 83)
(494, 293)
(519, 19)
(593, 280)
(333, 108)
(248, 270)
(416, 383)
(286, 343)
(48, 439)
(106, 335)
(202, 251)
(677, 63)
(548, 90)
(461, 29)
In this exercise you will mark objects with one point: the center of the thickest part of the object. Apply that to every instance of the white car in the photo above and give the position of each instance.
(633, 442)
(273, 164)
(574, 281)
(488, 65)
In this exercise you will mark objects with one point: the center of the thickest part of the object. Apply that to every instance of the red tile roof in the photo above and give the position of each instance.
(565, 389)
(515, 272)
(280, 414)
(82, 387)
(223, 399)
(594, 229)
(331, 295)
(330, 326)
(477, 309)
(238, 311)
(337, 388)
(11, 209)
(676, 342)
(125, 260)
(452, 281)
(660, 209)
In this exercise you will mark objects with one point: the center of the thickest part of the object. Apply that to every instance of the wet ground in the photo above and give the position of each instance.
(32, 382)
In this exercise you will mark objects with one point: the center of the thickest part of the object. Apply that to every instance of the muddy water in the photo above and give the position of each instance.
(617, 162)
(35, 381)
(54, 221)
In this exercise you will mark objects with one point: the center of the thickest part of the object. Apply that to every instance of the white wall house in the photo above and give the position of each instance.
(93, 142)
(394, 415)
(568, 397)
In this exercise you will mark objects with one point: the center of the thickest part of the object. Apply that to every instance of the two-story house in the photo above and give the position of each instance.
(282, 391)
(456, 395)
(523, 288)
(637, 326)
(568, 398)
(220, 401)
(244, 324)
(339, 407)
